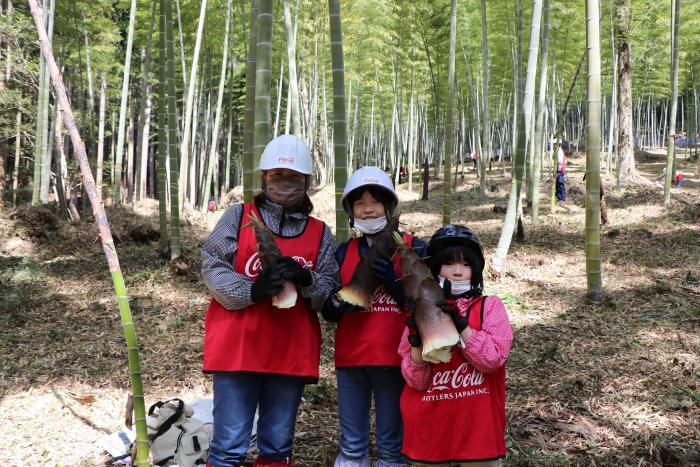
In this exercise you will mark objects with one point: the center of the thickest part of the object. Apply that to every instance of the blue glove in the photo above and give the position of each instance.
(383, 271)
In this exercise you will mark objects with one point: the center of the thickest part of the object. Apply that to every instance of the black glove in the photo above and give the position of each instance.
(291, 270)
(383, 271)
(450, 307)
(334, 308)
(267, 285)
(413, 335)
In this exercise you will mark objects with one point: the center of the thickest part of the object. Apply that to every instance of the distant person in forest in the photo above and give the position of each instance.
(366, 363)
(678, 182)
(262, 356)
(561, 173)
(212, 206)
(454, 413)
(474, 156)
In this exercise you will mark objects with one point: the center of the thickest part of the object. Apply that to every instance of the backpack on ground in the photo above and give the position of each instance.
(175, 437)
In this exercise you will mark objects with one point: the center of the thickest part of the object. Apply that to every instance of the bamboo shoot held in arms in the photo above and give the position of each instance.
(362, 285)
(269, 254)
(437, 331)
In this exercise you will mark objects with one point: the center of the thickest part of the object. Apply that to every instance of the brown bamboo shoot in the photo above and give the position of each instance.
(437, 331)
(270, 254)
(362, 285)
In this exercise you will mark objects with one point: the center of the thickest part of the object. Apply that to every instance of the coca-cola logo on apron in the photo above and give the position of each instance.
(382, 301)
(463, 381)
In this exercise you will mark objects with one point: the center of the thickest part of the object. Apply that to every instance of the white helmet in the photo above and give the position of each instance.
(369, 176)
(286, 152)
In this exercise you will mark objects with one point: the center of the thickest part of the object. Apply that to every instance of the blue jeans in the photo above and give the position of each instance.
(561, 186)
(236, 396)
(356, 385)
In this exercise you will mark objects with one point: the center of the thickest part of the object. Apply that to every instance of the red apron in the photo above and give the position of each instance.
(370, 337)
(461, 417)
(262, 338)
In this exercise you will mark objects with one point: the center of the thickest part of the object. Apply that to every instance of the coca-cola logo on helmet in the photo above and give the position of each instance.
(286, 159)
(253, 266)
(368, 180)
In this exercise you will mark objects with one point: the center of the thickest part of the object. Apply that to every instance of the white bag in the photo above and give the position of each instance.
(176, 438)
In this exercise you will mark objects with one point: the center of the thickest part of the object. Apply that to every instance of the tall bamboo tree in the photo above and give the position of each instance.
(162, 133)
(593, 142)
(524, 115)
(46, 139)
(144, 111)
(486, 138)
(101, 134)
(539, 125)
(249, 126)
(671, 137)
(339, 118)
(38, 140)
(187, 129)
(175, 240)
(106, 237)
(263, 74)
(116, 185)
(625, 143)
(449, 147)
(293, 102)
(214, 147)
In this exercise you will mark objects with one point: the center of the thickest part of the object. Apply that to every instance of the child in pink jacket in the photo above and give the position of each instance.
(455, 412)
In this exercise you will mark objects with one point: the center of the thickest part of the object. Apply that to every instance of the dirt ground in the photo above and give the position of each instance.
(616, 384)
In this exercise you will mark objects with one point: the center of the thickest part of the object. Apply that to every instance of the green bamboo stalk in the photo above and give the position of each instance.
(162, 134)
(339, 118)
(46, 139)
(214, 147)
(121, 133)
(101, 134)
(38, 140)
(539, 124)
(249, 128)
(187, 129)
(593, 141)
(486, 138)
(263, 74)
(106, 237)
(175, 240)
(671, 136)
(499, 259)
(144, 124)
(293, 102)
(18, 154)
(449, 122)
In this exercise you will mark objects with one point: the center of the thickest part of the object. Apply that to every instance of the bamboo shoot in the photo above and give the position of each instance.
(437, 331)
(269, 254)
(362, 285)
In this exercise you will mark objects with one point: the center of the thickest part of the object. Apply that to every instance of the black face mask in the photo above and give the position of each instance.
(286, 191)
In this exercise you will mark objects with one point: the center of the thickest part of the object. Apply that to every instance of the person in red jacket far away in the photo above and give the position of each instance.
(454, 413)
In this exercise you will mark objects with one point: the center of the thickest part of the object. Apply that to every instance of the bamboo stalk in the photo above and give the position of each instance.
(593, 140)
(116, 185)
(263, 71)
(339, 119)
(105, 236)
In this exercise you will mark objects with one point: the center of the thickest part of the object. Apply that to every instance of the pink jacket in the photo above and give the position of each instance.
(486, 350)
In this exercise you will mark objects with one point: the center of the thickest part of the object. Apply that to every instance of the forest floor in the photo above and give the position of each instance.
(617, 384)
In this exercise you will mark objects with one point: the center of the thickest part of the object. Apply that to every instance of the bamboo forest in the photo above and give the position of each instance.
(145, 146)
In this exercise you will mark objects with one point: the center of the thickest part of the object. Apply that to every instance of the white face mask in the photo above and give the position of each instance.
(457, 287)
(370, 226)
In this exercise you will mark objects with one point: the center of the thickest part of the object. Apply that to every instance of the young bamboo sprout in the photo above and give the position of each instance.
(270, 254)
(437, 331)
(362, 285)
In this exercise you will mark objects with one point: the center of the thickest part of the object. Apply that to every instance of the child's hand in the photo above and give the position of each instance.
(383, 271)
(413, 335)
(450, 307)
